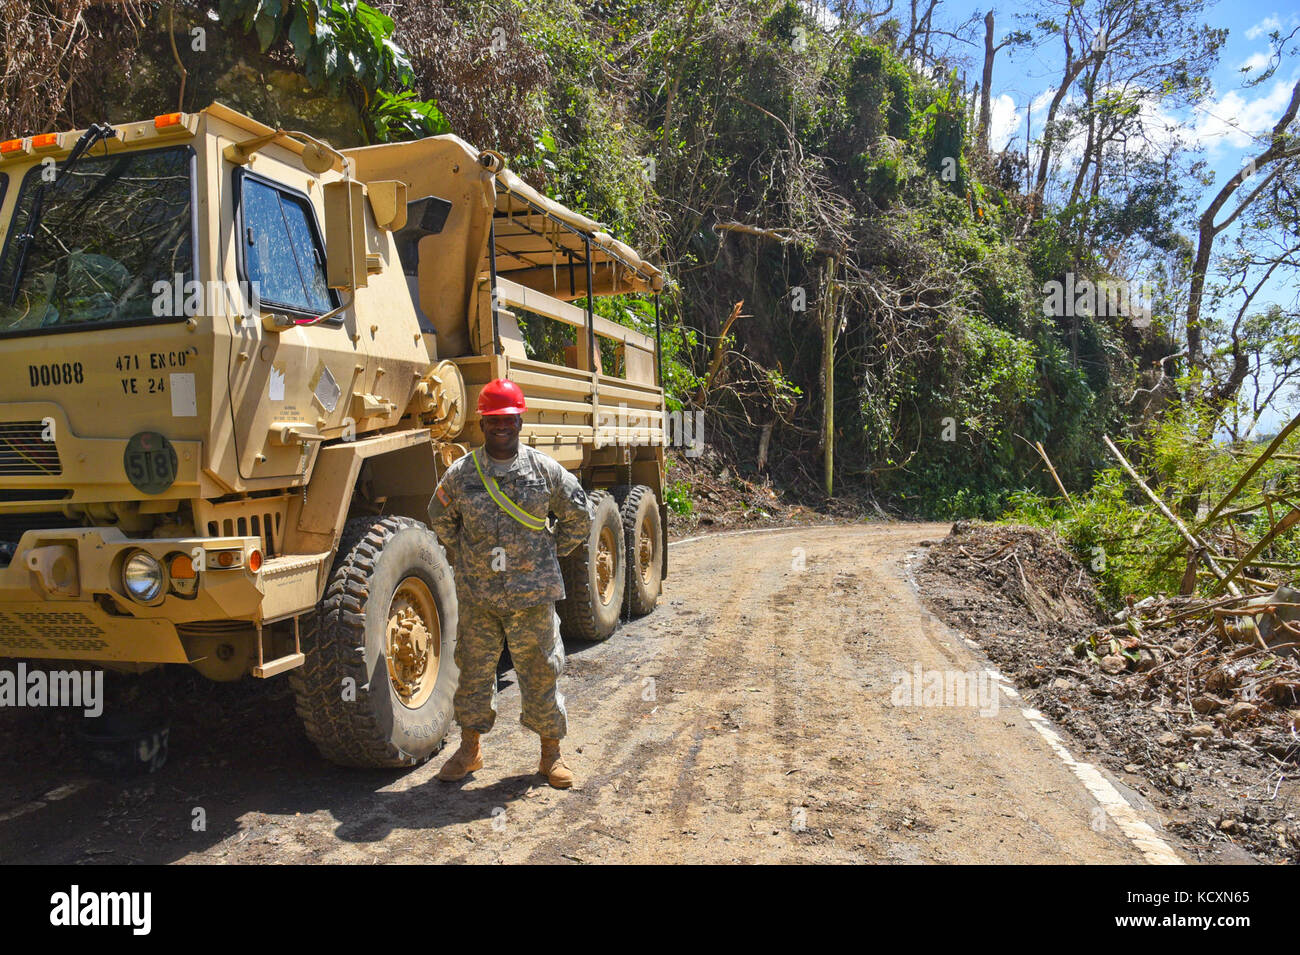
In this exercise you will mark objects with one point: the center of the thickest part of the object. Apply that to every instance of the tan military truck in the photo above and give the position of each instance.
(236, 363)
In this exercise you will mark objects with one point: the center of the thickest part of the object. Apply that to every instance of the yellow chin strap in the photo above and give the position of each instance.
(530, 521)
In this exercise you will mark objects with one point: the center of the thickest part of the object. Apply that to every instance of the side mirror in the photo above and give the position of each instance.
(317, 157)
(345, 234)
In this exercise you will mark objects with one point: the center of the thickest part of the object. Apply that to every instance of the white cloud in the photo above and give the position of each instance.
(1004, 124)
(1038, 105)
(1263, 27)
(1256, 61)
(825, 17)
(1232, 119)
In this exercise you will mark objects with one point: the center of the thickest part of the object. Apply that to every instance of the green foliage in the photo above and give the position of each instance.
(404, 116)
(344, 46)
(663, 119)
(592, 152)
(878, 92)
(967, 412)
(1117, 538)
(677, 495)
(1130, 547)
(939, 130)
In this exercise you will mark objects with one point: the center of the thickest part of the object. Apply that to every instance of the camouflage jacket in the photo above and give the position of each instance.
(498, 561)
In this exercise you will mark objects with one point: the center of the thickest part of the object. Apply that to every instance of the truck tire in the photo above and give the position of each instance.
(594, 577)
(643, 537)
(376, 688)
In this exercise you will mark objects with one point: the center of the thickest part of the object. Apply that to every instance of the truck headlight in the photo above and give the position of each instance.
(142, 576)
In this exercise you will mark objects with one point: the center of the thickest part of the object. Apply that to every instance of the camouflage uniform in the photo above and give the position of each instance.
(507, 581)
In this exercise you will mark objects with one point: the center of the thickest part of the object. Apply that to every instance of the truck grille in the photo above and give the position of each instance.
(69, 632)
(24, 452)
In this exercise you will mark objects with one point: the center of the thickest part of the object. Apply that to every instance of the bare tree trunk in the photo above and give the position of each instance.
(1045, 152)
(910, 42)
(1087, 226)
(1073, 67)
(986, 84)
(1208, 230)
(764, 442)
(1090, 96)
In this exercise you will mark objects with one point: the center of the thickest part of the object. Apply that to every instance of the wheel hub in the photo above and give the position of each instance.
(605, 565)
(414, 642)
(645, 551)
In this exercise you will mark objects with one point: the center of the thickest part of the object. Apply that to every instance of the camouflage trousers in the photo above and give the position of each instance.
(533, 636)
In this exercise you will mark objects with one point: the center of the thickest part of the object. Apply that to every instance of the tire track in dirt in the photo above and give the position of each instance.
(772, 693)
(692, 680)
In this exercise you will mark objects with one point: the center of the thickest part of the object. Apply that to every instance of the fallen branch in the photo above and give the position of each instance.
(1280, 527)
(1038, 446)
(719, 353)
(784, 236)
(1259, 462)
(1193, 541)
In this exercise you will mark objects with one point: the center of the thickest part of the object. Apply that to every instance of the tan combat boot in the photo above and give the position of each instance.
(465, 760)
(552, 766)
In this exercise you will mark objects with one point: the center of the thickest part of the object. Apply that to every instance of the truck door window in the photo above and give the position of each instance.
(108, 247)
(282, 251)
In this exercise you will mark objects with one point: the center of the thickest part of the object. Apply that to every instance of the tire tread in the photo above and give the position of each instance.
(577, 611)
(629, 498)
(334, 646)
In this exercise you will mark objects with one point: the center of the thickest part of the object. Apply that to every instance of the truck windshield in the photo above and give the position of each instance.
(118, 225)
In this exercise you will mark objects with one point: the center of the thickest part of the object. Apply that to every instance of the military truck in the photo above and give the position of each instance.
(237, 362)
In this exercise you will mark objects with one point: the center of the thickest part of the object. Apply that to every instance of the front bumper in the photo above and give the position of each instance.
(62, 597)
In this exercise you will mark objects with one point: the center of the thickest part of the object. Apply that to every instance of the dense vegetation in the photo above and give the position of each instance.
(832, 170)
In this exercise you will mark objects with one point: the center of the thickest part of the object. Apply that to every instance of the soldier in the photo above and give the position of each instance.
(491, 513)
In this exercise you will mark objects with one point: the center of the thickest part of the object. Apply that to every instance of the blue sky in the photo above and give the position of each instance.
(1222, 126)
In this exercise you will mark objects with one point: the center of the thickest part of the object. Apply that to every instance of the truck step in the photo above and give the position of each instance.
(279, 665)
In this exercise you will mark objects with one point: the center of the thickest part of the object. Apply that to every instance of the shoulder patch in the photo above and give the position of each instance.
(441, 500)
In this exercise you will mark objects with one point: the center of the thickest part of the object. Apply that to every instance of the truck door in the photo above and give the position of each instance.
(288, 386)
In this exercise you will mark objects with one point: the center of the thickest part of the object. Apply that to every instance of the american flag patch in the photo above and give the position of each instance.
(441, 494)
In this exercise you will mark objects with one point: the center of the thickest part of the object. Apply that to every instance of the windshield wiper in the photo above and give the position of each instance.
(96, 133)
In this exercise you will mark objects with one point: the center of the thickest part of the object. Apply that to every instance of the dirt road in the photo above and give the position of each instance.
(754, 717)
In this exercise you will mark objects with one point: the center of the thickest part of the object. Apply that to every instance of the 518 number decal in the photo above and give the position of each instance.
(150, 462)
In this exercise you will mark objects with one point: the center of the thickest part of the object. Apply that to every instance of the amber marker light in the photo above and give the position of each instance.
(255, 561)
(166, 120)
(181, 567)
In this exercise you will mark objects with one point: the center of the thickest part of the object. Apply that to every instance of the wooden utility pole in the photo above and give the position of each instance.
(828, 374)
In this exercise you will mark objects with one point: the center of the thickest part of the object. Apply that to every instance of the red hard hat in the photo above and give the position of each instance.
(501, 397)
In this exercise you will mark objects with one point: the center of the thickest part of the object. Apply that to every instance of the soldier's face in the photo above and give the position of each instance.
(501, 434)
